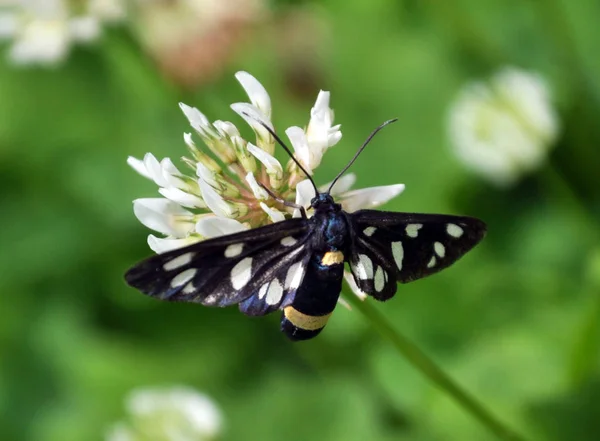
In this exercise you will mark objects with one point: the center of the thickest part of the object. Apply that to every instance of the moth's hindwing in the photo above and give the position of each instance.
(392, 247)
(230, 269)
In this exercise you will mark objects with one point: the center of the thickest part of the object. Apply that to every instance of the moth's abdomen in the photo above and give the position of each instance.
(316, 297)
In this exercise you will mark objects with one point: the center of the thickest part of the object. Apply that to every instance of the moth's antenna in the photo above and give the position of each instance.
(285, 147)
(362, 147)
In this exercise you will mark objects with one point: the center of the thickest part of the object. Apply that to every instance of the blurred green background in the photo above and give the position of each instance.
(516, 322)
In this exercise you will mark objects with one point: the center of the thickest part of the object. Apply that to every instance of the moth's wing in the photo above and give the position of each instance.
(226, 270)
(388, 247)
(279, 290)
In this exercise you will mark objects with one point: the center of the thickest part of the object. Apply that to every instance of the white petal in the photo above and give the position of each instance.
(196, 118)
(305, 192)
(252, 115)
(168, 167)
(170, 174)
(226, 128)
(164, 216)
(160, 245)
(333, 137)
(214, 201)
(153, 167)
(206, 175)
(271, 164)
(182, 198)
(138, 166)
(353, 286)
(320, 112)
(259, 192)
(187, 138)
(85, 29)
(320, 133)
(256, 92)
(343, 185)
(164, 173)
(274, 214)
(370, 197)
(214, 226)
(302, 151)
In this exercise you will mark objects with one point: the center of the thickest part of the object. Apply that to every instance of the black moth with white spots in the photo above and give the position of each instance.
(297, 265)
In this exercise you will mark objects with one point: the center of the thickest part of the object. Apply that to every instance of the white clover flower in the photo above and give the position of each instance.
(192, 40)
(168, 414)
(228, 184)
(503, 128)
(43, 31)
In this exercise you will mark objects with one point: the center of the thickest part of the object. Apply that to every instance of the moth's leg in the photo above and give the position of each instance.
(283, 201)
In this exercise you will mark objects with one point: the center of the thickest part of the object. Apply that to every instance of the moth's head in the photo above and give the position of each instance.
(324, 201)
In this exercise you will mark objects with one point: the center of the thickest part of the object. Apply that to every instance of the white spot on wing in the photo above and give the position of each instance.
(412, 230)
(439, 249)
(183, 277)
(398, 253)
(189, 288)
(431, 263)
(178, 261)
(263, 290)
(241, 273)
(288, 241)
(294, 275)
(369, 231)
(274, 293)
(364, 267)
(379, 279)
(234, 250)
(454, 230)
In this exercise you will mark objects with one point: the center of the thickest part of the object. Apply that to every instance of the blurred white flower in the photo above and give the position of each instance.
(503, 128)
(192, 40)
(107, 10)
(168, 414)
(43, 31)
(226, 186)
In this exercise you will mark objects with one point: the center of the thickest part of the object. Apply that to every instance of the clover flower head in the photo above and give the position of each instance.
(43, 31)
(228, 181)
(193, 40)
(505, 127)
(176, 413)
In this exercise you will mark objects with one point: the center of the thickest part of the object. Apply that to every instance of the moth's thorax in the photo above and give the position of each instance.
(331, 226)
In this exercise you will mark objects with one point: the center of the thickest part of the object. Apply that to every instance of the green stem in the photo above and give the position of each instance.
(428, 368)
(582, 357)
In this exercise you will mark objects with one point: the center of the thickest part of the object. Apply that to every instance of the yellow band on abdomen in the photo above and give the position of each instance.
(303, 321)
(332, 257)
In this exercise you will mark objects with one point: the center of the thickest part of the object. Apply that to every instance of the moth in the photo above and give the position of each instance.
(297, 265)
